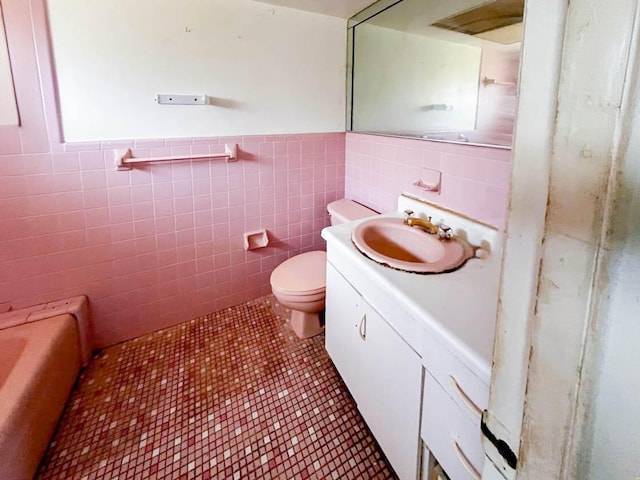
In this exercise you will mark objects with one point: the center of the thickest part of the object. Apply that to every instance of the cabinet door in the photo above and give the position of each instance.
(344, 315)
(391, 394)
(382, 372)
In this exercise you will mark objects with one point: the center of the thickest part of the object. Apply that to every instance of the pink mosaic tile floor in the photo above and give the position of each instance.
(233, 395)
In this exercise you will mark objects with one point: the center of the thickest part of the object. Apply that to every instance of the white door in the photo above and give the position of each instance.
(564, 232)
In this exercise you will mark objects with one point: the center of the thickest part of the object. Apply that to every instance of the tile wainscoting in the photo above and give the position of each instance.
(162, 243)
(475, 180)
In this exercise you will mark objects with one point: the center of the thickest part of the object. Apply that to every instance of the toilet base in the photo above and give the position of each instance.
(305, 325)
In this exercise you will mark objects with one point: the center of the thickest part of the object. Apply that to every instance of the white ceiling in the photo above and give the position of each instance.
(334, 8)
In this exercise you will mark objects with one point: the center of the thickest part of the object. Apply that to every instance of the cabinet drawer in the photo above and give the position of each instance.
(465, 387)
(451, 436)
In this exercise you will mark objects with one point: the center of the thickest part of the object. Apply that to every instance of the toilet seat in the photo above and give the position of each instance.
(301, 276)
(299, 298)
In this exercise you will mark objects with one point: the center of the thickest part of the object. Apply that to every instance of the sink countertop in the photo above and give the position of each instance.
(459, 307)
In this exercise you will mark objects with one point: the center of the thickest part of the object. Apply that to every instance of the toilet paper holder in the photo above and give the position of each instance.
(256, 239)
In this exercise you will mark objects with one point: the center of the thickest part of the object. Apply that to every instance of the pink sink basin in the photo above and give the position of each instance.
(391, 242)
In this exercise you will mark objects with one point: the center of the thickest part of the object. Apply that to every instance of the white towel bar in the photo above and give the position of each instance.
(125, 160)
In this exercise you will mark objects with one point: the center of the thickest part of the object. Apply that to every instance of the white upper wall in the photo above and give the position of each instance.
(269, 69)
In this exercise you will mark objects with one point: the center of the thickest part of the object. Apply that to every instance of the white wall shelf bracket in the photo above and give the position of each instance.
(182, 99)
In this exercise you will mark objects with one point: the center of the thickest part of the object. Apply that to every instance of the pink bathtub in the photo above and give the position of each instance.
(39, 362)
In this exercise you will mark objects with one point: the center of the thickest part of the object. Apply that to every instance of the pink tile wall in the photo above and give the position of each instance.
(162, 243)
(475, 180)
(159, 244)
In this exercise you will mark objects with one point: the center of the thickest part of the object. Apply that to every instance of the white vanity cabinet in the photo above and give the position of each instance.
(382, 372)
(415, 350)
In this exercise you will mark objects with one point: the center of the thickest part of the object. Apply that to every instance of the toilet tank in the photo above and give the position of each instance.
(343, 211)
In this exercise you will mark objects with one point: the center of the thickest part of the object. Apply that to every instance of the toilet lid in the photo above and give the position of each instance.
(304, 273)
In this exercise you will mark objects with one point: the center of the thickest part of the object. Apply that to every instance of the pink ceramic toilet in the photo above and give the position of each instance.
(299, 282)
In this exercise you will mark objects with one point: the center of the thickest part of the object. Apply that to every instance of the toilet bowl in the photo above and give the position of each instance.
(299, 282)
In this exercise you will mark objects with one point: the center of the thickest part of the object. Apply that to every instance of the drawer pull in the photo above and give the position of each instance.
(465, 461)
(465, 398)
(362, 328)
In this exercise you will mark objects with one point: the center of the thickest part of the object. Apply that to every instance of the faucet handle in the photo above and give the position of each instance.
(407, 213)
(445, 232)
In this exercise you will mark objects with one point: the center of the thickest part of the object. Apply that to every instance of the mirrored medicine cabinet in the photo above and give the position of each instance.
(436, 70)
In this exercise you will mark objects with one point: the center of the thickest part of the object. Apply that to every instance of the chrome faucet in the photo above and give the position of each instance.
(425, 225)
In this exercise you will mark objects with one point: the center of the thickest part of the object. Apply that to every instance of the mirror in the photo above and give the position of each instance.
(8, 107)
(436, 70)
